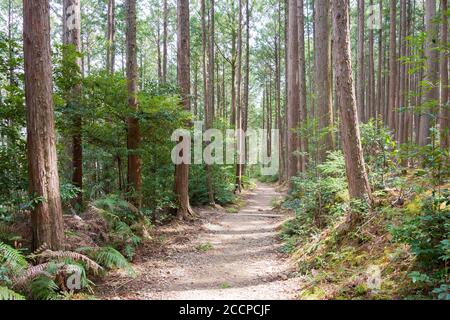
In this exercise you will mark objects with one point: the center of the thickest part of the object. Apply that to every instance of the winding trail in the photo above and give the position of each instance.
(231, 256)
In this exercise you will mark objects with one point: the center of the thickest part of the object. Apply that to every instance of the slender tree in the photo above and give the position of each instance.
(110, 37)
(358, 183)
(72, 37)
(371, 113)
(444, 119)
(403, 99)
(323, 76)
(134, 132)
(380, 78)
(431, 96)
(360, 76)
(303, 141)
(293, 88)
(391, 110)
(181, 187)
(47, 220)
(165, 36)
(239, 115)
(209, 106)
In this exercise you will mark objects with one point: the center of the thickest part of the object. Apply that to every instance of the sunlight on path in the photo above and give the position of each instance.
(236, 257)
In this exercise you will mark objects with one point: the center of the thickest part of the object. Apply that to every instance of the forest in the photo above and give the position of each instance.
(224, 149)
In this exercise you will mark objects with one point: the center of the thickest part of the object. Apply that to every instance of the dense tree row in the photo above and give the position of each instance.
(314, 70)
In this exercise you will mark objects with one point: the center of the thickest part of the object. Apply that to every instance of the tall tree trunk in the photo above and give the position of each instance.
(158, 43)
(285, 138)
(360, 81)
(444, 120)
(380, 90)
(209, 110)
(233, 77)
(358, 183)
(239, 145)
(402, 128)
(224, 92)
(323, 76)
(10, 42)
(371, 83)
(165, 35)
(431, 71)
(278, 52)
(47, 220)
(303, 141)
(211, 62)
(134, 132)
(245, 99)
(204, 65)
(181, 187)
(293, 91)
(391, 111)
(72, 36)
(195, 89)
(110, 37)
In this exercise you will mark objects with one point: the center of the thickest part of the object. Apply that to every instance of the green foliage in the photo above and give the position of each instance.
(8, 294)
(124, 223)
(12, 258)
(318, 199)
(223, 184)
(204, 247)
(44, 288)
(380, 151)
(45, 280)
(428, 234)
(68, 192)
(108, 257)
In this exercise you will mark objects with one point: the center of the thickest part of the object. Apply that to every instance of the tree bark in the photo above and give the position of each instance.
(323, 76)
(303, 140)
(72, 36)
(233, 77)
(444, 120)
(391, 111)
(380, 90)
(360, 81)
(358, 183)
(293, 91)
(181, 187)
(165, 35)
(239, 137)
(403, 92)
(280, 127)
(11, 77)
(110, 37)
(431, 72)
(47, 220)
(209, 110)
(134, 133)
(158, 43)
(371, 81)
(245, 98)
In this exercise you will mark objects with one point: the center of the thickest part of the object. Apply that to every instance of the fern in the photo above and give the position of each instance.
(75, 256)
(7, 294)
(44, 288)
(7, 233)
(12, 258)
(33, 272)
(108, 257)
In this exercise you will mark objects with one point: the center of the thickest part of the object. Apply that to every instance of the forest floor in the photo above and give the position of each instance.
(222, 255)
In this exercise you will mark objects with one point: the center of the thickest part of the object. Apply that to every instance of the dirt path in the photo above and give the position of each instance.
(229, 256)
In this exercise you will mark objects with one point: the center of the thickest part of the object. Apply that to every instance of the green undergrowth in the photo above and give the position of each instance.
(396, 249)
